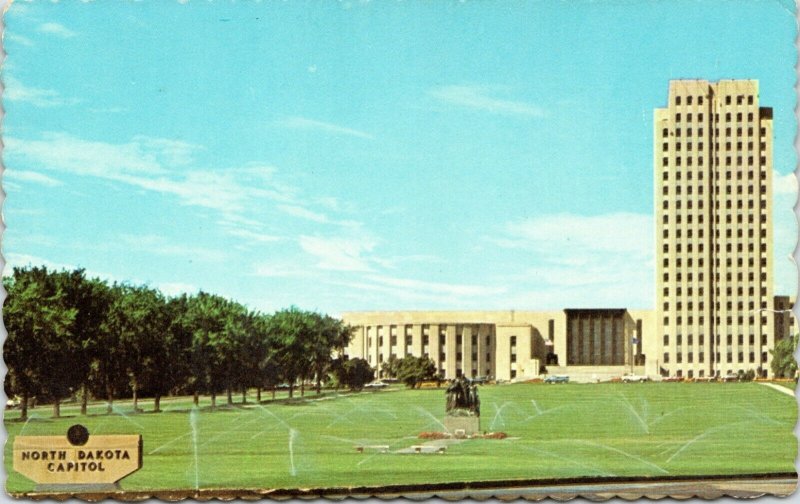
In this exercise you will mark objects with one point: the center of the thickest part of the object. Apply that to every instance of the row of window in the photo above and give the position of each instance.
(701, 339)
(728, 247)
(717, 277)
(740, 99)
(740, 132)
(700, 262)
(728, 233)
(728, 291)
(728, 204)
(442, 357)
(716, 117)
(701, 320)
(700, 219)
(701, 356)
(728, 175)
(728, 159)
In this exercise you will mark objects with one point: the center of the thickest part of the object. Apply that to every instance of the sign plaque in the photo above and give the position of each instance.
(77, 459)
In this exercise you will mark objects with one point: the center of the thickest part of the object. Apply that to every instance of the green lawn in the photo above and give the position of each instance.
(556, 431)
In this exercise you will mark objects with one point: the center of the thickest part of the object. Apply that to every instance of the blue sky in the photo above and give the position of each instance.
(367, 155)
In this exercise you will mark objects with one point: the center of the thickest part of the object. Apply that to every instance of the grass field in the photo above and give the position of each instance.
(556, 431)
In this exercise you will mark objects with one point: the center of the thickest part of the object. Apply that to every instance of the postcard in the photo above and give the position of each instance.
(463, 249)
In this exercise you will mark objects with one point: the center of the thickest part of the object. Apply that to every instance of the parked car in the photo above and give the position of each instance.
(13, 403)
(557, 379)
(375, 385)
(672, 379)
(632, 378)
(730, 377)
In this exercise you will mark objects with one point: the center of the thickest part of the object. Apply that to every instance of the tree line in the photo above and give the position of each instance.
(70, 335)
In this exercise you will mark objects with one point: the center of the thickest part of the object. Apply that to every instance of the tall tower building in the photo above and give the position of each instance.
(713, 208)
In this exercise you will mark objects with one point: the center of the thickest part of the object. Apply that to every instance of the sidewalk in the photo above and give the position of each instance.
(779, 388)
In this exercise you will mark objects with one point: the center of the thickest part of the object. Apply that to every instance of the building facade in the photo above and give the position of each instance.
(713, 207)
(716, 312)
(508, 345)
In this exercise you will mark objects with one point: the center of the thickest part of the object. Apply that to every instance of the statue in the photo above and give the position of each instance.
(462, 398)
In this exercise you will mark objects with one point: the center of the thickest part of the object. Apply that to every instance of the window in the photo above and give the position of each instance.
(664, 132)
(666, 339)
(666, 357)
(750, 100)
(688, 100)
(677, 100)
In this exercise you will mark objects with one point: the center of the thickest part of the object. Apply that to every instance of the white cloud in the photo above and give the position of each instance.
(15, 91)
(149, 163)
(281, 270)
(477, 97)
(15, 260)
(338, 254)
(31, 176)
(561, 235)
(83, 157)
(56, 29)
(421, 286)
(154, 244)
(303, 213)
(312, 124)
(784, 184)
(253, 236)
(600, 260)
(176, 288)
(19, 39)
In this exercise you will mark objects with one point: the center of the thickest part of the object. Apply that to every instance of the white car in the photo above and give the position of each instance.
(631, 378)
(730, 377)
(376, 384)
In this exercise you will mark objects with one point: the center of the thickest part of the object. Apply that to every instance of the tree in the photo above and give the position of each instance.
(783, 363)
(328, 335)
(357, 373)
(174, 362)
(390, 367)
(91, 299)
(108, 376)
(207, 319)
(414, 370)
(292, 332)
(39, 350)
(140, 318)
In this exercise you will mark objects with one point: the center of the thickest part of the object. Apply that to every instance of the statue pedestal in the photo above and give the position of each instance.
(462, 425)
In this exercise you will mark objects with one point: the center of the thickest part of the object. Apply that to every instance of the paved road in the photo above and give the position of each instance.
(710, 489)
(780, 388)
